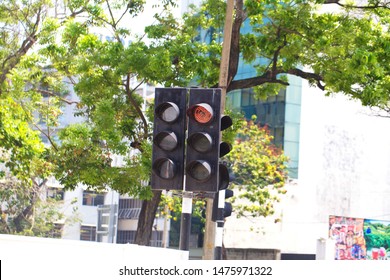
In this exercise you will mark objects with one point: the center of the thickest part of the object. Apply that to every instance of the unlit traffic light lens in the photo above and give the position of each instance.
(199, 170)
(166, 140)
(201, 142)
(164, 168)
(168, 112)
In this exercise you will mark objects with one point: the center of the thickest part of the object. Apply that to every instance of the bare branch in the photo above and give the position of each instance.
(129, 93)
(383, 112)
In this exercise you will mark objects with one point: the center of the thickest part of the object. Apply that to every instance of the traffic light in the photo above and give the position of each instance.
(224, 209)
(169, 139)
(224, 149)
(203, 144)
(221, 208)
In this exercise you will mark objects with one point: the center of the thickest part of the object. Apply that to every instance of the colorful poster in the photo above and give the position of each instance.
(377, 236)
(348, 234)
(360, 239)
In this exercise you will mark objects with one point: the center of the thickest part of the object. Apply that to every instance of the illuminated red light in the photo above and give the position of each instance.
(201, 113)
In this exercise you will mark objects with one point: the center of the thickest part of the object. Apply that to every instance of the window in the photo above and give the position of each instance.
(55, 193)
(129, 208)
(125, 236)
(88, 233)
(129, 203)
(128, 236)
(156, 240)
(92, 198)
(56, 231)
(269, 112)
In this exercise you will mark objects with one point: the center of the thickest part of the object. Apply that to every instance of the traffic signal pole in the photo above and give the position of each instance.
(219, 226)
(185, 226)
(227, 38)
(214, 231)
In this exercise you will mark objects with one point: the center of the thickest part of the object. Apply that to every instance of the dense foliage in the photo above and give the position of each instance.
(50, 49)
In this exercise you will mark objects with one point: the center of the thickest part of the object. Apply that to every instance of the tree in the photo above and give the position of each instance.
(102, 74)
(343, 52)
(26, 209)
(23, 156)
(260, 170)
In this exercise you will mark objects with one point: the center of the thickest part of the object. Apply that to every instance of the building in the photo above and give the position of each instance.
(341, 166)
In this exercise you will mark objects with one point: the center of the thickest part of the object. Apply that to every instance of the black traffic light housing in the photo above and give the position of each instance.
(169, 139)
(224, 209)
(203, 144)
(219, 213)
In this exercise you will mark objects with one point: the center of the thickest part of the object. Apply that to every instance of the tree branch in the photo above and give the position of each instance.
(255, 81)
(308, 76)
(26, 45)
(270, 77)
(48, 92)
(114, 23)
(129, 93)
(47, 135)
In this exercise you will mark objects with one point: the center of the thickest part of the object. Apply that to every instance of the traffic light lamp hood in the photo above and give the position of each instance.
(224, 177)
(226, 122)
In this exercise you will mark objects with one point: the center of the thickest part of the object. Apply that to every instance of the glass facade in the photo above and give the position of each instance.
(280, 113)
(269, 113)
(292, 124)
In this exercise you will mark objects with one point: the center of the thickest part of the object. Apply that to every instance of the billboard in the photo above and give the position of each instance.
(360, 239)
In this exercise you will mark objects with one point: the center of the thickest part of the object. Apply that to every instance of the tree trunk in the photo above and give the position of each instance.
(234, 54)
(28, 211)
(146, 219)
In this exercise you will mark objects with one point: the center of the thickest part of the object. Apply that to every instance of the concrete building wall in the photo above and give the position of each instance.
(344, 169)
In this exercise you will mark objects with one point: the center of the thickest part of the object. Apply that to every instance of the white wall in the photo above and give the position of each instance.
(344, 169)
(84, 214)
(44, 258)
(345, 157)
